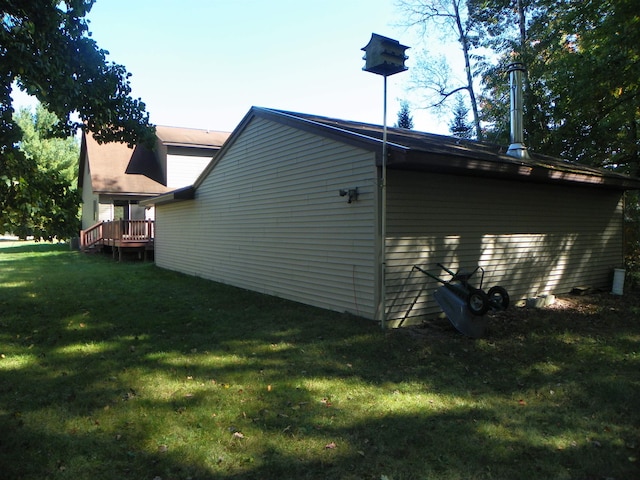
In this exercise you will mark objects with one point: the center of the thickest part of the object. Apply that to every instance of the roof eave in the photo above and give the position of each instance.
(512, 170)
(181, 194)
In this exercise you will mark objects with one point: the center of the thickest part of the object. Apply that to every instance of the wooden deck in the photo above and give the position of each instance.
(120, 236)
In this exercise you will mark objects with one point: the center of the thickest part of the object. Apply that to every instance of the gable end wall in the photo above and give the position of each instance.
(269, 218)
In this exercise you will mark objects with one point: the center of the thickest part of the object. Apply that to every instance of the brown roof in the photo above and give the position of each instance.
(413, 150)
(117, 169)
(109, 164)
(190, 137)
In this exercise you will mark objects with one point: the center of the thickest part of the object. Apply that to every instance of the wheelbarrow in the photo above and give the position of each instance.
(464, 304)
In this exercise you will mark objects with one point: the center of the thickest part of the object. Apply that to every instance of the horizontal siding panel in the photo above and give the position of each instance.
(532, 239)
(269, 218)
(182, 170)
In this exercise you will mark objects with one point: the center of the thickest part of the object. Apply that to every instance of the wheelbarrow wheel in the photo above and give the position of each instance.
(478, 302)
(498, 297)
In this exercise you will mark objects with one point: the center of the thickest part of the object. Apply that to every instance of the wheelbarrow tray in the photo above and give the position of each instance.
(456, 310)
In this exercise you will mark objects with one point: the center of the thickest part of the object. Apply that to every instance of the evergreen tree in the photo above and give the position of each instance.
(405, 120)
(450, 18)
(51, 153)
(460, 126)
(45, 200)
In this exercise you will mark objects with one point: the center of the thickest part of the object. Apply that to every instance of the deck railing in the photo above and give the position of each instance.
(118, 233)
(91, 236)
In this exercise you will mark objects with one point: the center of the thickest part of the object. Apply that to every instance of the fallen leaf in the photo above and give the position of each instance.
(522, 402)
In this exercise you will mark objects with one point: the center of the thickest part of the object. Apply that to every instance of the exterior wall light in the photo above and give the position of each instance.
(351, 194)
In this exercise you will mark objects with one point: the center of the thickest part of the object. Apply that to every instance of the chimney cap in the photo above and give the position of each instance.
(516, 66)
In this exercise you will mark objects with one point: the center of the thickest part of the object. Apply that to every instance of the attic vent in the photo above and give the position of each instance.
(517, 148)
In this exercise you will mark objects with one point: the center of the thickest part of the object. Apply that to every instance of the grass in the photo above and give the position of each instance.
(122, 370)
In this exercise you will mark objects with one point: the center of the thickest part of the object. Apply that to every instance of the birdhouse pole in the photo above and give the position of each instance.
(383, 56)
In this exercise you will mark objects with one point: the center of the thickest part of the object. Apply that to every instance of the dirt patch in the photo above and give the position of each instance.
(593, 310)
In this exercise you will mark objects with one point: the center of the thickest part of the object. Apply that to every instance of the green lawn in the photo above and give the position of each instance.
(124, 371)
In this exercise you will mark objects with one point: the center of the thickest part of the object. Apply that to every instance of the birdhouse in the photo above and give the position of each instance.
(384, 56)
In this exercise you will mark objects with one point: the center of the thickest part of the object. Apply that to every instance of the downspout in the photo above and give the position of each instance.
(517, 148)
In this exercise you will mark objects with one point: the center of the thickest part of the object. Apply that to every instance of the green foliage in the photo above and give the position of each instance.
(203, 380)
(51, 153)
(46, 50)
(36, 203)
(632, 237)
(405, 120)
(36, 182)
(460, 126)
(582, 97)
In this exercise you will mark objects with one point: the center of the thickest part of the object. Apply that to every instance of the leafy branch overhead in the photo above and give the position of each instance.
(582, 94)
(46, 49)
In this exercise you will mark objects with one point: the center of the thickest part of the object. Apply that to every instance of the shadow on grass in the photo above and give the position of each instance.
(127, 371)
(16, 246)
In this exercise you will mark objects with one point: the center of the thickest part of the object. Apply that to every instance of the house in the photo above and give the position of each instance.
(292, 206)
(114, 177)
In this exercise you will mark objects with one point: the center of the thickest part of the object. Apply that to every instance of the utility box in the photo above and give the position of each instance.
(384, 56)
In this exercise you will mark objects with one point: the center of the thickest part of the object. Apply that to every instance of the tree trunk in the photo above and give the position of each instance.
(464, 42)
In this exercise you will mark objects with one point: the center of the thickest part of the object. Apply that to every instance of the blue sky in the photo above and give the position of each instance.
(204, 63)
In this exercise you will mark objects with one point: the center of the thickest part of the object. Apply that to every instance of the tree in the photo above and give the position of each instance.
(502, 27)
(460, 126)
(582, 100)
(46, 50)
(51, 153)
(451, 15)
(405, 120)
(45, 204)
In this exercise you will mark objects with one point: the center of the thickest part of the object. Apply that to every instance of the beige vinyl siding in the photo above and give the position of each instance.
(89, 199)
(183, 170)
(269, 218)
(532, 239)
(105, 211)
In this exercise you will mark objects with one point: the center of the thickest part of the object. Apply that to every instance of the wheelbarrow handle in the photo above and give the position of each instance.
(428, 274)
(446, 269)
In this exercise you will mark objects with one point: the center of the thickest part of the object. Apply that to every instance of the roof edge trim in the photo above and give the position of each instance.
(181, 194)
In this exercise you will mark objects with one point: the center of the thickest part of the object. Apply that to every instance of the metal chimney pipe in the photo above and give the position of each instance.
(517, 148)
